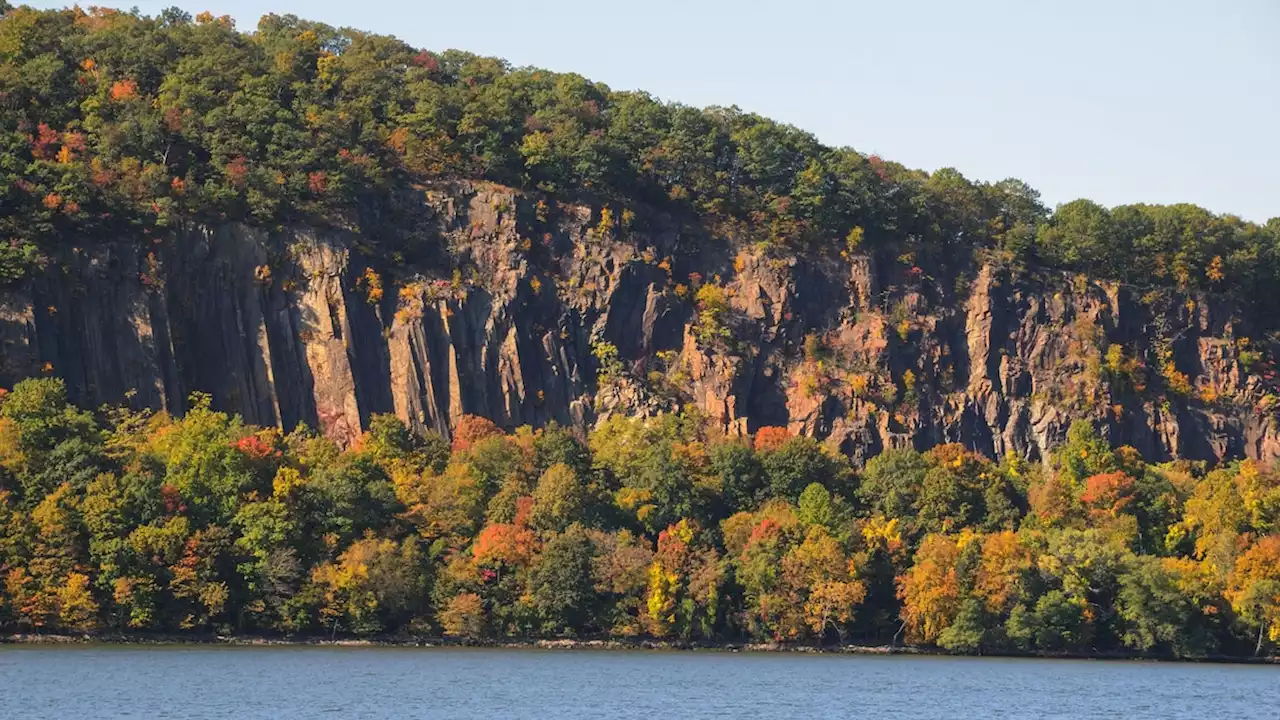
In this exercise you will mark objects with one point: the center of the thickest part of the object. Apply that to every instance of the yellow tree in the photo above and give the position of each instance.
(77, 610)
(375, 581)
(1005, 561)
(684, 583)
(819, 586)
(1259, 490)
(665, 577)
(56, 544)
(1253, 587)
(930, 590)
(446, 507)
(1214, 516)
(463, 616)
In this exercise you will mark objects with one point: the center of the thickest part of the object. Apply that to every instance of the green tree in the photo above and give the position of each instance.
(560, 499)
(203, 464)
(968, 631)
(742, 479)
(1158, 614)
(800, 462)
(891, 483)
(56, 442)
(563, 585)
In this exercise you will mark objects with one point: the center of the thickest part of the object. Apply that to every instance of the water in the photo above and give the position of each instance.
(307, 682)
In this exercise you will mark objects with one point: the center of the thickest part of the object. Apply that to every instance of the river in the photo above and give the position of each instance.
(354, 682)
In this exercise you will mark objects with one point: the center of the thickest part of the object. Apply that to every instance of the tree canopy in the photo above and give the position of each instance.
(139, 522)
(115, 124)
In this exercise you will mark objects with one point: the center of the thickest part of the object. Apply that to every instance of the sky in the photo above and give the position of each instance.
(1120, 101)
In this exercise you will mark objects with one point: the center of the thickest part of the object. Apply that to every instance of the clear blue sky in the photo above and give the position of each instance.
(1120, 101)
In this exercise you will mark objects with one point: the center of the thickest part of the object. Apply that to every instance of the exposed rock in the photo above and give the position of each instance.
(302, 327)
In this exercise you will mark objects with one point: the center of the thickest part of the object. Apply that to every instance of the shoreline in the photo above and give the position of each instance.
(162, 640)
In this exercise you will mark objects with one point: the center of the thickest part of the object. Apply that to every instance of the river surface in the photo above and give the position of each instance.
(349, 682)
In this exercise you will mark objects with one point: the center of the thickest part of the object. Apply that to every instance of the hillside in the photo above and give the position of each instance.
(308, 332)
(315, 225)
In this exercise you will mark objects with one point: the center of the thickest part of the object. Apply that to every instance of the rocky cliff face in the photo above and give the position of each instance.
(528, 296)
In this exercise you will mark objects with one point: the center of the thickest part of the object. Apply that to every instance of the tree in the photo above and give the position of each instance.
(353, 493)
(77, 610)
(741, 477)
(891, 483)
(375, 584)
(563, 586)
(388, 441)
(203, 464)
(713, 309)
(684, 582)
(771, 438)
(1002, 573)
(818, 586)
(648, 463)
(799, 462)
(967, 632)
(1214, 517)
(470, 429)
(1158, 614)
(447, 507)
(1253, 588)
(58, 542)
(555, 445)
(1084, 454)
(198, 580)
(560, 499)
(271, 572)
(55, 443)
(951, 495)
(621, 567)
(464, 616)
(930, 590)
(1056, 622)
(816, 508)
(135, 602)
(1082, 234)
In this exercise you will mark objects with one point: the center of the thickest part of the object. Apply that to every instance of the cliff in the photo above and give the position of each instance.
(513, 318)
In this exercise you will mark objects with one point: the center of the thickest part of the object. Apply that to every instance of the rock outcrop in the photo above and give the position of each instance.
(516, 317)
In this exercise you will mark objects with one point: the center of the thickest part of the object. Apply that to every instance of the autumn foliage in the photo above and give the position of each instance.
(470, 429)
(139, 522)
(123, 90)
(771, 438)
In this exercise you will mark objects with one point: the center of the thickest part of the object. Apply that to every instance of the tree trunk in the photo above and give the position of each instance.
(1257, 650)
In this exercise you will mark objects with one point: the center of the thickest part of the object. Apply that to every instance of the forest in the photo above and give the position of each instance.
(121, 128)
(137, 522)
(117, 125)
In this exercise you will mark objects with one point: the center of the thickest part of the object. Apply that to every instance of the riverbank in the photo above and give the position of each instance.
(569, 644)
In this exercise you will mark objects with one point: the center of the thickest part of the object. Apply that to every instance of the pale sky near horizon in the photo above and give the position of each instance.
(1125, 101)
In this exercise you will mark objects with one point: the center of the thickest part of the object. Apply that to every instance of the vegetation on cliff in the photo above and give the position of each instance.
(646, 528)
(116, 124)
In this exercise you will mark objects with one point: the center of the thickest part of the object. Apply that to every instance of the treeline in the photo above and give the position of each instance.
(137, 522)
(119, 124)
